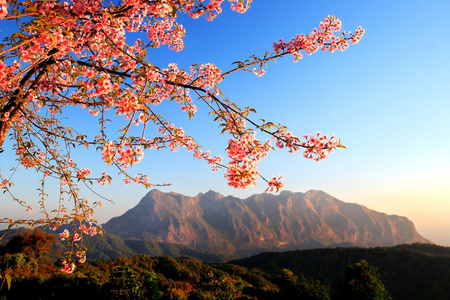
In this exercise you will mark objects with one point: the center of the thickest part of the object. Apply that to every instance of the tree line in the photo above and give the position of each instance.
(27, 261)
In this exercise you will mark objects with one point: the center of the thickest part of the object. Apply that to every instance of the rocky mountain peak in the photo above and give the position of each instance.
(260, 222)
(212, 195)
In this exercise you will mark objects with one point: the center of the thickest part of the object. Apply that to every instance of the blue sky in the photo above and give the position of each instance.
(387, 98)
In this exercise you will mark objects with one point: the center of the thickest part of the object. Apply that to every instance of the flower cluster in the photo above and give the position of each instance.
(91, 230)
(213, 8)
(315, 147)
(64, 235)
(318, 39)
(6, 77)
(5, 117)
(68, 267)
(286, 139)
(82, 7)
(83, 173)
(76, 54)
(125, 154)
(82, 256)
(318, 146)
(3, 9)
(26, 159)
(104, 179)
(275, 184)
(163, 33)
(76, 241)
(234, 123)
(356, 37)
(244, 153)
(259, 72)
(240, 7)
(208, 75)
(4, 183)
(76, 237)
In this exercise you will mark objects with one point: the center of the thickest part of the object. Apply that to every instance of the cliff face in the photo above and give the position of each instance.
(230, 225)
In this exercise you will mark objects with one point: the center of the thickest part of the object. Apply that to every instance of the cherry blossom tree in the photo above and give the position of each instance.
(74, 54)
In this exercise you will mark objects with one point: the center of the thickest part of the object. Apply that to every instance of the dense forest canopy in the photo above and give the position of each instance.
(418, 271)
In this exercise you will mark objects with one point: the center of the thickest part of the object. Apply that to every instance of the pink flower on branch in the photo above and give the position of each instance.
(78, 55)
(3, 9)
(318, 146)
(244, 153)
(91, 230)
(319, 39)
(64, 235)
(83, 173)
(240, 7)
(68, 267)
(259, 72)
(4, 183)
(275, 184)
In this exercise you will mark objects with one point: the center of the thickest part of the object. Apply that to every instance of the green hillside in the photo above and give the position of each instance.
(28, 270)
(417, 271)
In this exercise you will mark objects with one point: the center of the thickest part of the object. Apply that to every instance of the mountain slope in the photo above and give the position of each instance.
(229, 225)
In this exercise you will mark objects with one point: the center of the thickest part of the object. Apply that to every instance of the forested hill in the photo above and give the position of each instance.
(417, 271)
(407, 272)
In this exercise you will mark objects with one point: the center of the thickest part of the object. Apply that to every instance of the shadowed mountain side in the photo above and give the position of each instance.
(233, 226)
(109, 246)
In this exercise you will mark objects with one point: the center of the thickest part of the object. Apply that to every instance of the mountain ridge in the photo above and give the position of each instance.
(261, 222)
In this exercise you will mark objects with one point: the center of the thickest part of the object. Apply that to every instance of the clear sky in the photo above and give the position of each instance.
(387, 98)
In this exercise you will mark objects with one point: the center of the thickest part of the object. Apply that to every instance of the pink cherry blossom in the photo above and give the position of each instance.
(3, 9)
(76, 55)
(275, 184)
(83, 173)
(64, 235)
(67, 267)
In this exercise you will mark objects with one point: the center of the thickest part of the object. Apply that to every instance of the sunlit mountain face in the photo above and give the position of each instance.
(229, 225)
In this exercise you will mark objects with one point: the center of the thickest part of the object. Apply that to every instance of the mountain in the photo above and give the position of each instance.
(232, 226)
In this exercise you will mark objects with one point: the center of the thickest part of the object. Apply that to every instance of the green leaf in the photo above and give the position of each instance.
(16, 35)
(109, 16)
(8, 280)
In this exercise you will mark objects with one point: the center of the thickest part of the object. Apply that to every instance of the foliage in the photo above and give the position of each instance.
(123, 284)
(5, 279)
(408, 271)
(32, 243)
(151, 289)
(361, 282)
(295, 287)
(74, 57)
(417, 271)
(27, 254)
